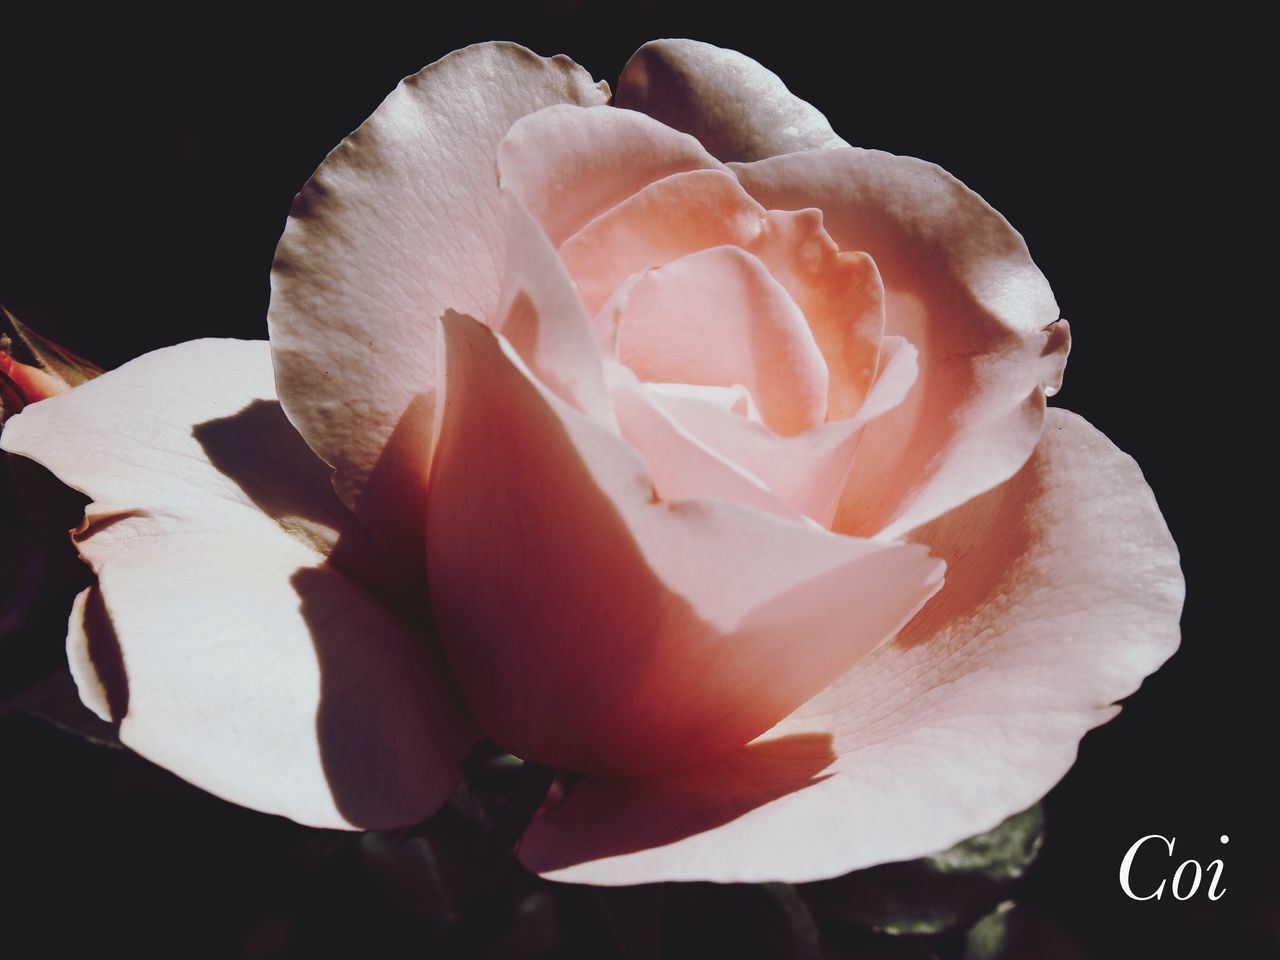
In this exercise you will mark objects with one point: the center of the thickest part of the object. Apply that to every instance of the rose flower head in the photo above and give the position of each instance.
(662, 438)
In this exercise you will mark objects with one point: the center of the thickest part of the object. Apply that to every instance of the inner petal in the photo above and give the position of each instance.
(717, 317)
(735, 399)
(840, 294)
(806, 472)
(669, 219)
(681, 465)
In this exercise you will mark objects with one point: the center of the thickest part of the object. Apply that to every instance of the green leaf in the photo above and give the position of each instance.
(1012, 932)
(936, 894)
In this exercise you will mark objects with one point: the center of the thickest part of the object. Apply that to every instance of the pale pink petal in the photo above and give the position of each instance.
(717, 317)
(734, 399)
(400, 223)
(806, 472)
(570, 164)
(1063, 591)
(737, 108)
(839, 294)
(669, 219)
(222, 634)
(93, 657)
(270, 679)
(191, 431)
(681, 465)
(594, 626)
(540, 314)
(962, 288)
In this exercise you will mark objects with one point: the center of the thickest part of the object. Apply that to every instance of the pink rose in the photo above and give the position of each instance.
(654, 423)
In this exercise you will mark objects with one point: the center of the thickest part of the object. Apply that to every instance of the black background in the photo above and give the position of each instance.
(147, 169)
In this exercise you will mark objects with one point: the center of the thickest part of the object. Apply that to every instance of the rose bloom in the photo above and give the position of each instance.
(637, 434)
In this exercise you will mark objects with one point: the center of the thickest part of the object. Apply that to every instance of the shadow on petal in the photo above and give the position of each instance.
(581, 831)
(261, 452)
(104, 653)
(394, 499)
(95, 659)
(386, 721)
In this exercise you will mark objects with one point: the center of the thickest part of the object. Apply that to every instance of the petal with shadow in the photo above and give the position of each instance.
(242, 630)
(595, 627)
(401, 221)
(1063, 592)
(738, 109)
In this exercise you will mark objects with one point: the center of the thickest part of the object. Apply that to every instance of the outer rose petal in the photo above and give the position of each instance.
(737, 108)
(568, 165)
(576, 607)
(230, 650)
(399, 223)
(1063, 592)
(962, 288)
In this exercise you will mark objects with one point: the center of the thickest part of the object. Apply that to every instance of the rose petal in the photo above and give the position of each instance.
(806, 472)
(734, 399)
(569, 164)
(717, 317)
(190, 431)
(219, 636)
(594, 627)
(541, 316)
(1063, 592)
(733, 105)
(669, 219)
(680, 464)
(399, 223)
(961, 286)
(272, 680)
(839, 294)
(93, 657)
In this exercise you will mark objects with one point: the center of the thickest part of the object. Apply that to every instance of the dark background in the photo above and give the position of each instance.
(146, 170)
